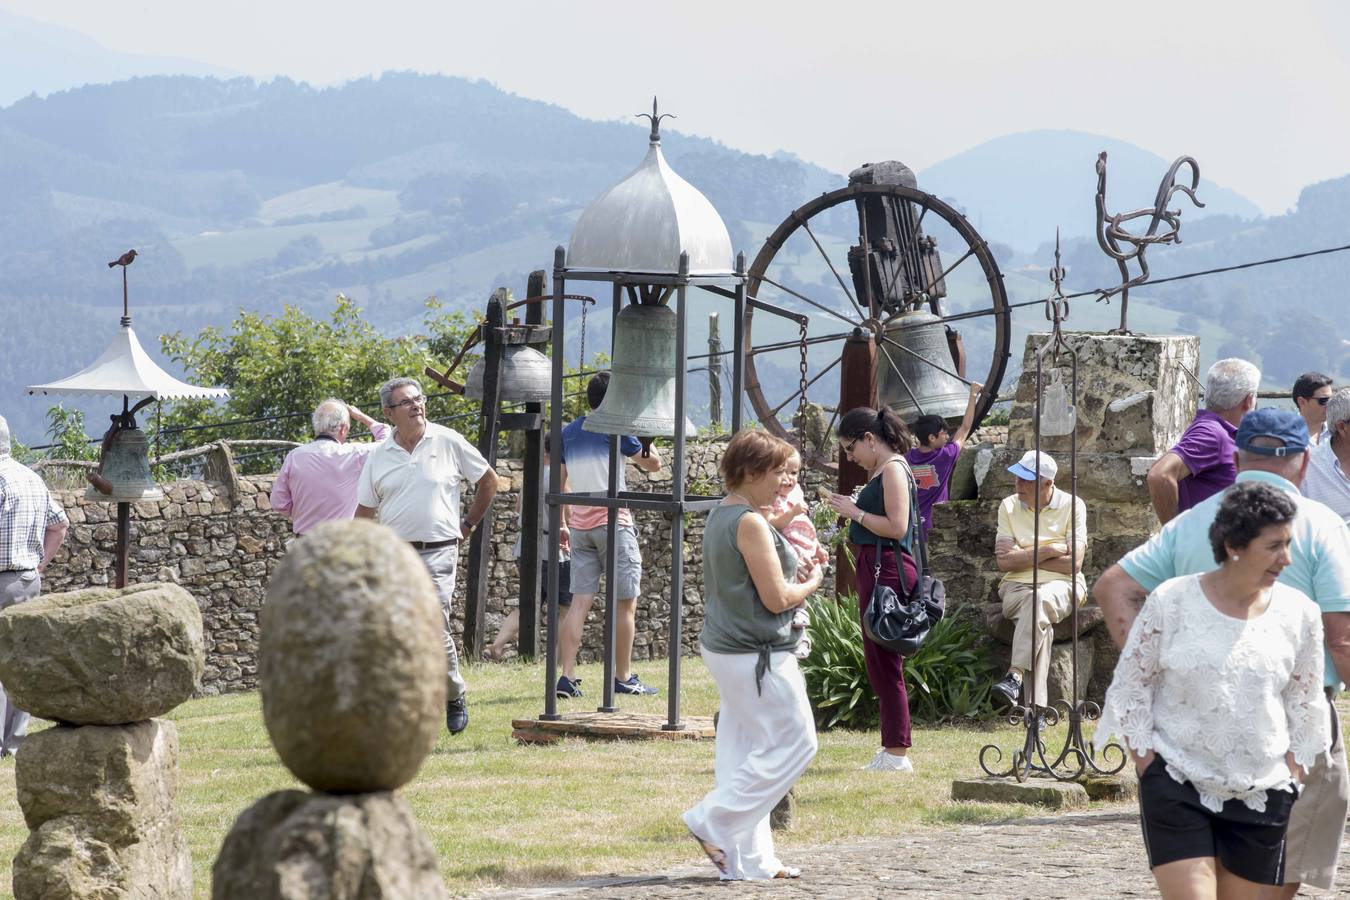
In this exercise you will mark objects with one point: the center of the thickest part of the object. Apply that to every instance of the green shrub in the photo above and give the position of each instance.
(947, 679)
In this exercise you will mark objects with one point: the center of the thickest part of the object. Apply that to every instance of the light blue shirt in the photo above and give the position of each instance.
(1320, 552)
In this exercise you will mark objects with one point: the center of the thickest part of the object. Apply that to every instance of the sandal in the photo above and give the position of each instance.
(714, 853)
(788, 872)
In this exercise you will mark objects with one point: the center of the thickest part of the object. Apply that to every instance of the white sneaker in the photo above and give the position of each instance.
(886, 762)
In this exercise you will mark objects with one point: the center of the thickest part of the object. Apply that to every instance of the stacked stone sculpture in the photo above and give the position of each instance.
(97, 790)
(352, 673)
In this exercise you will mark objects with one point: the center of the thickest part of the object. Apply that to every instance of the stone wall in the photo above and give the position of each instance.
(223, 546)
(223, 550)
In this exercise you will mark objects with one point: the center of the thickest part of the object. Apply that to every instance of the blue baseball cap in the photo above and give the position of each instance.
(1283, 425)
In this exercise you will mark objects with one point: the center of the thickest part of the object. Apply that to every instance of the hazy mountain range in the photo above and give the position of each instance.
(241, 194)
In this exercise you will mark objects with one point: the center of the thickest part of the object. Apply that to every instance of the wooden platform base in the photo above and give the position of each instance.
(617, 726)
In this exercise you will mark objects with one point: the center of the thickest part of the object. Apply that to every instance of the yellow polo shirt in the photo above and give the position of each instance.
(1016, 521)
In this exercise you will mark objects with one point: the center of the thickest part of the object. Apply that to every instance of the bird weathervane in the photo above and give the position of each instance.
(124, 260)
(1123, 246)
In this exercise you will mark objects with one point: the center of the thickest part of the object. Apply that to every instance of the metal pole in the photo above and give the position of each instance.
(857, 387)
(555, 487)
(475, 594)
(611, 531)
(738, 341)
(675, 641)
(123, 541)
(531, 501)
(714, 372)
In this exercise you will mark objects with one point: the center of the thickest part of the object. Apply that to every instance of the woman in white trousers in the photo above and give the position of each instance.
(766, 734)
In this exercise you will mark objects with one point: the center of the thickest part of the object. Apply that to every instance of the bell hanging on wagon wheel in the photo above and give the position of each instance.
(916, 381)
(124, 470)
(525, 376)
(641, 397)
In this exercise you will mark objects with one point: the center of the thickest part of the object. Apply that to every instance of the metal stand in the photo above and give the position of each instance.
(675, 504)
(1077, 756)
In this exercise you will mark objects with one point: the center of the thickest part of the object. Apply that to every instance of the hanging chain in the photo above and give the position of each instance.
(801, 385)
(581, 362)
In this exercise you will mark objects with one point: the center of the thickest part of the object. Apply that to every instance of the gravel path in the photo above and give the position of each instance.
(1094, 854)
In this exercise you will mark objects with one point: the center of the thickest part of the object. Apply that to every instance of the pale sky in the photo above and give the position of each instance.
(1259, 93)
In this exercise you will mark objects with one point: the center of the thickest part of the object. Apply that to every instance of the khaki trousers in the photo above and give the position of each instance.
(1034, 620)
(15, 587)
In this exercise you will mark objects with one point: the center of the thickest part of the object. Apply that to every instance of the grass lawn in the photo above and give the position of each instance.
(499, 812)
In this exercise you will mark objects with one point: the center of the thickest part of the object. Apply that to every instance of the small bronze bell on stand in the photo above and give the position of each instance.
(524, 376)
(910, 386)
(123, 474)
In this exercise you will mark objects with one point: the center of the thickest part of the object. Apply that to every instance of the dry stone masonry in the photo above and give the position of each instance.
(353, 688)
(97, 790)
(1134, 402)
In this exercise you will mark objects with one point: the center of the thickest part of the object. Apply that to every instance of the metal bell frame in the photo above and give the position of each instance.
(1077, 758)
(676, 286)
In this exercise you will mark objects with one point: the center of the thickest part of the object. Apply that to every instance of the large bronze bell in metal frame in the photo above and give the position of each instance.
(641, 397)
(912, 381)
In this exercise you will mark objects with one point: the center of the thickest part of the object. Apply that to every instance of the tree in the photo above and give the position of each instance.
(278, 368)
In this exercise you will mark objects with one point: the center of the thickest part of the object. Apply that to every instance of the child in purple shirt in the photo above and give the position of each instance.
(934, 459)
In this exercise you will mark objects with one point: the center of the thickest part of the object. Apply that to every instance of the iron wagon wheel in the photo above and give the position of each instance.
(975, 297)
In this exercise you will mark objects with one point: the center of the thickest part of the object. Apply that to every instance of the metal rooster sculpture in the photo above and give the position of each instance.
(1124, 247)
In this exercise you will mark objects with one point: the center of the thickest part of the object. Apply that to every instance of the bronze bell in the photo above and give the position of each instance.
(641, 396)
(125, 470)
(526, 376)
(910, 386)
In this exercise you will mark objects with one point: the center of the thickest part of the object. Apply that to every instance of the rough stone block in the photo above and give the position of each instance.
(102, 656)
(1133, 396)
(350, 659)
(100, 803)
(1042, 791)
(294, 845)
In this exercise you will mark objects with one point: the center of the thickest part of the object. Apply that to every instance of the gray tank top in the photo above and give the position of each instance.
(734, 620)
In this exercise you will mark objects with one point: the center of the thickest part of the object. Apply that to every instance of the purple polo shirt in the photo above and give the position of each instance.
(1207, 448)
(932, 477)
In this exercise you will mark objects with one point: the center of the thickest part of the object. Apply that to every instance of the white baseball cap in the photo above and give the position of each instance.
(1032, 462)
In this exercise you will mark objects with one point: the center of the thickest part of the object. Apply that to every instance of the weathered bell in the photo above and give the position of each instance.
(910, 386)
(126, 468)
(525, 376)
(641, 396)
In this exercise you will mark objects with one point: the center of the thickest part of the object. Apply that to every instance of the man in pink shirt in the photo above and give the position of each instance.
(317, 482)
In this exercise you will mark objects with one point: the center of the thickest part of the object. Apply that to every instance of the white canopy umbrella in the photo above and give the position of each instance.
(125, 368)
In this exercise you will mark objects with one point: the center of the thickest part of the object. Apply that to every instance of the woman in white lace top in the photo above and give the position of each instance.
(1218, 695)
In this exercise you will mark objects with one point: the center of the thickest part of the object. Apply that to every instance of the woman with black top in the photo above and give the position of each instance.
(879, 520)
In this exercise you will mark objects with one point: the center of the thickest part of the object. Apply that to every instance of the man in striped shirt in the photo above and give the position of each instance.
(32, 526)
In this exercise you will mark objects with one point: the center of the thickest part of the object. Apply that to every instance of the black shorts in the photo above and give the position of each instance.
(1176, 826)
(564, 581)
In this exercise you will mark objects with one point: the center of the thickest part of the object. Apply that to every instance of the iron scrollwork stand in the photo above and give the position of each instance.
(1077, 757)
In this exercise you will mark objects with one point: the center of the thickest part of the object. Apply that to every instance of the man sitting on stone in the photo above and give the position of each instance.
(1018, 549)
(1201, 463)
(32, 527)
(317, 482)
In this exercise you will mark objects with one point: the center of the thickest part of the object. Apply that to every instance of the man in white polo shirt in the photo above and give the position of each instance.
(411, 483)
(1328, 477)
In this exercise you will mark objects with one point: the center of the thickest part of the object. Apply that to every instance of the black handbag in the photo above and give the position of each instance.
(893, 621)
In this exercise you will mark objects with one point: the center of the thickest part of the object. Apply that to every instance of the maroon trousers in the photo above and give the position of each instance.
(885, 670)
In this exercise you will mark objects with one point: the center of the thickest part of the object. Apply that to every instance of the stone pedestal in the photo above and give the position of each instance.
(1134, 401)
(100, 803)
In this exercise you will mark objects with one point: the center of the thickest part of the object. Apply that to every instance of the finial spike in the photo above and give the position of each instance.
(656, 121)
